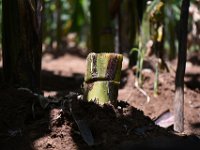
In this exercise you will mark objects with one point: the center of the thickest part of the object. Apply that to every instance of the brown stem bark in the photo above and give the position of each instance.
(22, 43)
(180, 72)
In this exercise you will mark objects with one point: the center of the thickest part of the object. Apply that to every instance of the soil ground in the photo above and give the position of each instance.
(66, 121)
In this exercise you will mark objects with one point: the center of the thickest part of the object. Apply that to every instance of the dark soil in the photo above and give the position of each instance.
(67, 120)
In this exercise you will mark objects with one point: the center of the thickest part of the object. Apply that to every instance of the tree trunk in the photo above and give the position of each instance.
(129, 25)
(130, 18)
(180, 72)
(101, 29)
(58, 24)
(21, 43)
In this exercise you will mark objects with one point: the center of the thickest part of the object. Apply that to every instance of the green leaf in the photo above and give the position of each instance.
(152, 5)
(134, 50)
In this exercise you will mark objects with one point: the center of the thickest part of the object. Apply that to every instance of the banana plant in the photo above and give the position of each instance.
(0, 22)
(102, 36)
(22, 43)
(102, 77)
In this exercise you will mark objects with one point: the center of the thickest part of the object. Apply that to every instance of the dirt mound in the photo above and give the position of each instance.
(70, 123)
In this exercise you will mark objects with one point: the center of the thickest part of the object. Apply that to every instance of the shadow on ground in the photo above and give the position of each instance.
(52, 82)
(193, 81)
(61, 52)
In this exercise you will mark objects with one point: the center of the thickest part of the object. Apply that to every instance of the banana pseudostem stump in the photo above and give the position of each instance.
(102, 77)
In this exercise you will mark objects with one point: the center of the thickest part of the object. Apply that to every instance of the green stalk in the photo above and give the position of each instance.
(102, 91)
(102, 77)
(140, 69)
(140, 60)
(156, 80)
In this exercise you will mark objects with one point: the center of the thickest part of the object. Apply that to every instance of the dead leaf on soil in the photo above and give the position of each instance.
(83, 128)
(165, 120)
